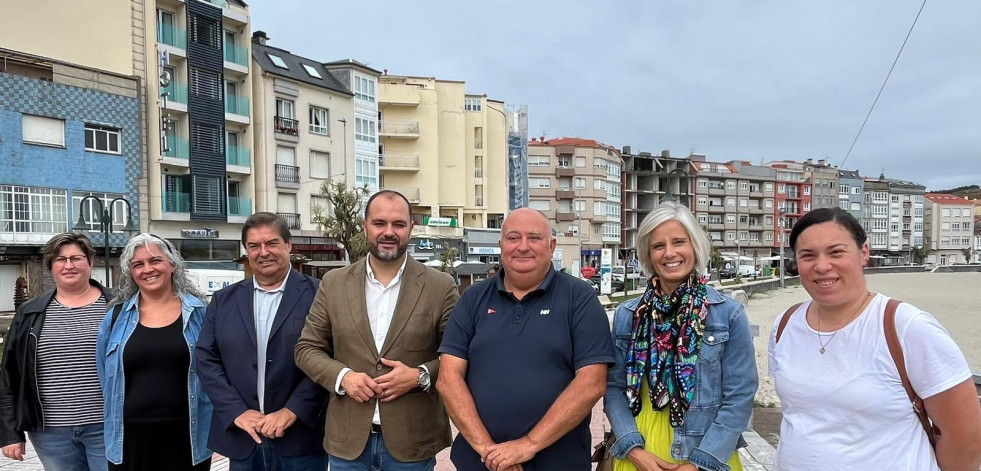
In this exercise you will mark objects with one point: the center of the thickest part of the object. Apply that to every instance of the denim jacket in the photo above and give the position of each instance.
(109, 351)
(724, 393)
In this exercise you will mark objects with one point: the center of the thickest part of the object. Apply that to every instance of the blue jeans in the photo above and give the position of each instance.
(376, 457)
(265, 458)
(71, 448)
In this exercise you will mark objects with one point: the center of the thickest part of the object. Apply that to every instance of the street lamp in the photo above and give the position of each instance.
(782, 211)
(105, 224)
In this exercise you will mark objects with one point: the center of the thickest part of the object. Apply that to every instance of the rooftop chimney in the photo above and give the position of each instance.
(259, 37)
(665, 153)
(626, 150)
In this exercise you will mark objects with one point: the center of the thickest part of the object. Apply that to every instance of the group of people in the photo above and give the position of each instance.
(366, 368)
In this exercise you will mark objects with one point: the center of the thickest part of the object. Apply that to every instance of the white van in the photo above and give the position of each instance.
(209, 281)
(747, 271)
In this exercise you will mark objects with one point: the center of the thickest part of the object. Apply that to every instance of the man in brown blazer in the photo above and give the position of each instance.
(371, 339)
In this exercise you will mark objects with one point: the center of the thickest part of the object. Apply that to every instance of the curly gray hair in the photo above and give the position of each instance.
(181, 283)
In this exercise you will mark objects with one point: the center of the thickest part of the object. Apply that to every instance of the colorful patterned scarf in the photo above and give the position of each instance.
(664, 342)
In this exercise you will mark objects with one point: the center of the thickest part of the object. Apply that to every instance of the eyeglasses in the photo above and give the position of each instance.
(75, 259)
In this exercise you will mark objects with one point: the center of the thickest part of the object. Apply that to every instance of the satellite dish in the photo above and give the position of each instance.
(165, 78)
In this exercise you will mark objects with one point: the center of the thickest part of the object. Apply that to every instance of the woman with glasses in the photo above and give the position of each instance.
(48, 382)
(157, 416)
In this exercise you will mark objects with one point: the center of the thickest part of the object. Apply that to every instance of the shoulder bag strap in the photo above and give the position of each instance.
(785, 319)
(896, 351)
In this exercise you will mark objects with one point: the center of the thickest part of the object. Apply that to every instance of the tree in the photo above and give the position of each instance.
(967, 254)
(343, 217)
(446, 261)
(20, 291)
(920, 254)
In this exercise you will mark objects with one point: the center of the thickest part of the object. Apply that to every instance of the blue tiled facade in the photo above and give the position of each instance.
(70, 167)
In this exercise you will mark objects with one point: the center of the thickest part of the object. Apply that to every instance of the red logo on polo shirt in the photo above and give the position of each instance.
(491, 311)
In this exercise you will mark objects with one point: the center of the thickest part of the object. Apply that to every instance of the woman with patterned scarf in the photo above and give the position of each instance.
(681, 391)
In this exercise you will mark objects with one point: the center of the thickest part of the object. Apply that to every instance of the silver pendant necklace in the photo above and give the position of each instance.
(832, 337)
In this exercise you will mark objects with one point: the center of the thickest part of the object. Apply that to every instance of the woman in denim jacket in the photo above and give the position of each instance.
(156, 414)
(681, 391)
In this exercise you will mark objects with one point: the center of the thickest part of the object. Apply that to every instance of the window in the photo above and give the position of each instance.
(768, 204)
(730, 201)
(319, 121)
(204, 83)
(286, 204)
(946, 212)
(702, 201)
(364, 88)
(31, 210)
(284, 109)
(743, 202)
(319, 164)
(702, 183)
(207, 138)
(580, 205)
(318, 204)
(807, 189)
(101, 139)
(579, 182)
(768, 237)
(730, 185)
(768, 187)
(730, 236)
(478, 137)
(471, 104)
(743, 185)
(781, 188)
(702, 218)
(204, 30)
(599, 163)
(539, 183)
(611, 230)
(918, 227)
(41, 130)
(730, 218)
(366, 173)
(894, 198)
(754, 236)
(312, 71)
(843, 205)
(365, 130)
(807, 206)
(894, 227)
(599, 184)
(209, 195)
(966, 212)
(277, 61)
(541, 205)
(856, 190)
(581, 162)
(285, 156)
(538, 161)
(843, 190)
(956, 227)
(856, 206)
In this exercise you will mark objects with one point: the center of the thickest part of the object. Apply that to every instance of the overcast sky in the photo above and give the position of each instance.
(747, 80)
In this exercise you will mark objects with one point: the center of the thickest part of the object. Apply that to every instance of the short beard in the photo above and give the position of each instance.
(373, 249)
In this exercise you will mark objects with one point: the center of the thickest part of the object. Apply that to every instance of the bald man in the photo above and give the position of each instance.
(524, 360)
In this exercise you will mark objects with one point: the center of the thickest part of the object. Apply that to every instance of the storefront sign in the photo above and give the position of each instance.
(206, 233)
(484, 250)
(440, 222)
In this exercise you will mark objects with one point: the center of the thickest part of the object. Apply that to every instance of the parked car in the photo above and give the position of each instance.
(621, 273)
(727, 273)
(614, 284)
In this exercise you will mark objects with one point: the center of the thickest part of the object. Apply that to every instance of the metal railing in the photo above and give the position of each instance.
(172, 36)
(174, 202)
(404, 161)
(287, 126)
(399, 127)
(288, 173)
(176, 92)
(237, 104)
(177, 148)
(292, 220)
(239, 206)
(236, 54)
(235, 155)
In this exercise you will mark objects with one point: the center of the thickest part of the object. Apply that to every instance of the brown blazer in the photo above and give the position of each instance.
(337, 335)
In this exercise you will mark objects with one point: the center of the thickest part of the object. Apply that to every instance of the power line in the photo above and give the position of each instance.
(883, 85)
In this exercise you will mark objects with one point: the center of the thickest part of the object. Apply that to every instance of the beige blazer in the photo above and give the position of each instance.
(337, 335)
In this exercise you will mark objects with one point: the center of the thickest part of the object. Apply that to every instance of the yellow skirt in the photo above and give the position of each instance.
(655, 426)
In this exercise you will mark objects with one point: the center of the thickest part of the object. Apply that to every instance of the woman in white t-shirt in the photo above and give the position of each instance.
(844, 405)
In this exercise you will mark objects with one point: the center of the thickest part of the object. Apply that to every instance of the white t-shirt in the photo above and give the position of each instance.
(846, 408)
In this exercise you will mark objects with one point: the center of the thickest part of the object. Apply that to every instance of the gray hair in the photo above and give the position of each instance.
(180, 282)
(666, 211)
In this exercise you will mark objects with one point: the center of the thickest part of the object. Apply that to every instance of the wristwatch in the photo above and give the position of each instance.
(423, 378)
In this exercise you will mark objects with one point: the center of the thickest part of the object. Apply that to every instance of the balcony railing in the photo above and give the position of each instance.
(177, 148)
(217, 3)
(292, 220)
(236, 55)
(238, 206)
(287, 173)
(174, 202)
(399, 128)
(236, 104)
(176, 92)
(411, 194)
(399, 161)
(172, 36)
(235, 155)
(287, 126)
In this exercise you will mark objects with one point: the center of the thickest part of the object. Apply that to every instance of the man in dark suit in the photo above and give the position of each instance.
(268, 414)
(374, 348)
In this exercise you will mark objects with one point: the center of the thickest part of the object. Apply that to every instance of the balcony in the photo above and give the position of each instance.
(717, 226)
(565, 194)
(174, 96)
(608, 239)
(399, 129)
(716, 208)
(288, 126)
(287, 176)
(717, 191)
(238, 159)
(236, 58)
(562, 216)
(172, 36)
(391, 94)
(217, 3)
(399, 163)
(411, 194)
(565, 171)
(237, 109)
(176, 206)
(292, 220)
(178, 151)
(239, 209)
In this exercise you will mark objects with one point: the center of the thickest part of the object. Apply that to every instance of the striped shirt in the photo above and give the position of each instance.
(68, 382)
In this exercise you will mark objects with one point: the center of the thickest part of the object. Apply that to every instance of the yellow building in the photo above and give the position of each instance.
(577, 184)
(446, 151)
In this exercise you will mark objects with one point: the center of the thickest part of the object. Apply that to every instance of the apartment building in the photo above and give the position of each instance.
(70, 140)
(824, 183)
(302, 112)
(577, 184)
(851, 189)
(200, 172)
(976, 253)
(875, 216)
(735, 202)
(446, 150)
(363, 81)
(648, 180)
(949, 229)
(793, 195)
(906, 217)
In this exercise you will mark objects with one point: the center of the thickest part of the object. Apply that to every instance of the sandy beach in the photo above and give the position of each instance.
(953, 298)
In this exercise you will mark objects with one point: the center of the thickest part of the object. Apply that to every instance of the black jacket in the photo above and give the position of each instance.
(20, 405)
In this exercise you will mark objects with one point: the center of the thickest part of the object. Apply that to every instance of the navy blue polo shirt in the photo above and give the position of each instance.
(521, 355)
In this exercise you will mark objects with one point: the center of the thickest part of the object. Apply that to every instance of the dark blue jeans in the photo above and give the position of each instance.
(71, 448)
(376, 457)
(265, 458)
